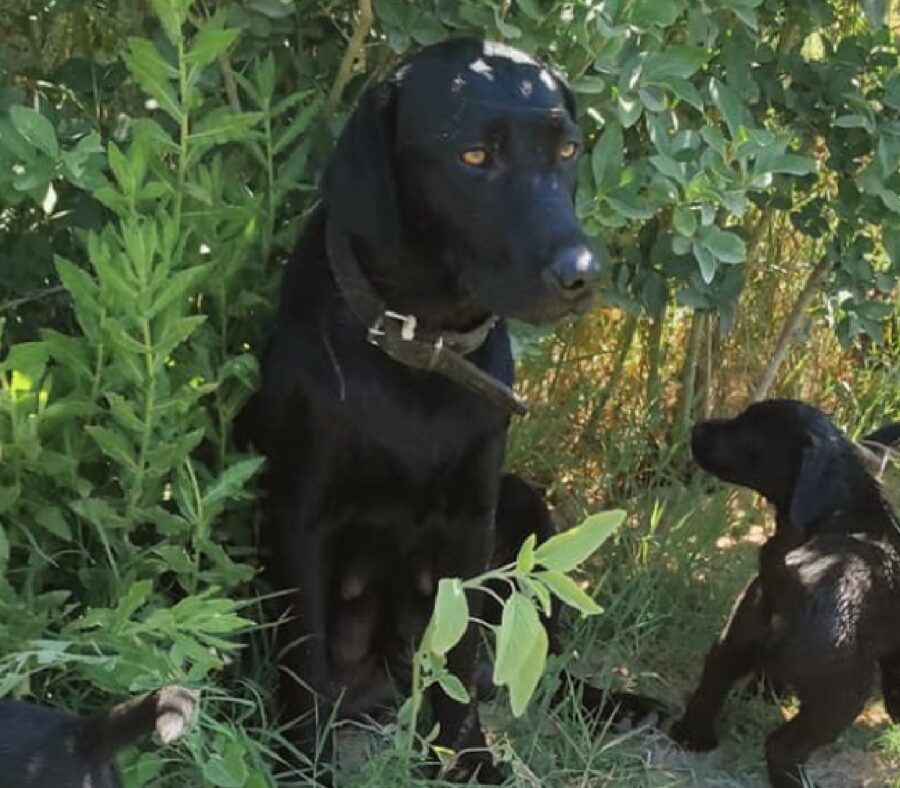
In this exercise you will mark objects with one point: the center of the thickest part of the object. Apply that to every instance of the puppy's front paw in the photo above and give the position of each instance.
(694, 735)
(892, 704)
(476, 767)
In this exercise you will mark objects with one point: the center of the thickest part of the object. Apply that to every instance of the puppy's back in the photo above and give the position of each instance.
(41, 747)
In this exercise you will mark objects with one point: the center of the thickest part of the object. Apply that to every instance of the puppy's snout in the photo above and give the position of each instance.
(574, 270)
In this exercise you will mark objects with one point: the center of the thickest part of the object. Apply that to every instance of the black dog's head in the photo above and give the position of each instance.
(464, 160)
(789, 452)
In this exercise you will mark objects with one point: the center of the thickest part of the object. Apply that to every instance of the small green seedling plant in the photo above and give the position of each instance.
(539, 573)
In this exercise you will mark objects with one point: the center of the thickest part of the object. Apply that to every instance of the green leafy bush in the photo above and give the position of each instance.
(156, 162)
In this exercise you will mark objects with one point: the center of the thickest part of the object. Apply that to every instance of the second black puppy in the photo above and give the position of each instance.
(822, 614)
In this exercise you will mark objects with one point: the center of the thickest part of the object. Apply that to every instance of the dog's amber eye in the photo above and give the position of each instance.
(476, 157)
(568, 150)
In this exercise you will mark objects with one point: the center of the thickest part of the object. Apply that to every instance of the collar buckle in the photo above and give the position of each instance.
(408, 324)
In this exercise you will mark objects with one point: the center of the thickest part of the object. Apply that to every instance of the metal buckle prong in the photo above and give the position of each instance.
(407, 324)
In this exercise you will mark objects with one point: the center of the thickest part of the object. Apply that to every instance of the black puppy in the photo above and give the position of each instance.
(41, 747)
(886, 435)
(385, 395)
(822, 614)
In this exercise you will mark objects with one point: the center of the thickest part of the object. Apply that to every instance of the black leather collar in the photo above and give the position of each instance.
(400, 337)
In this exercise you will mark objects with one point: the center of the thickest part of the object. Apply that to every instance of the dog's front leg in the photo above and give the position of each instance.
(466, 548)
(299, 567)
(738, 651)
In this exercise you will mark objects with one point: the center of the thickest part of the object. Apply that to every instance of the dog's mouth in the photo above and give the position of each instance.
(556, 309)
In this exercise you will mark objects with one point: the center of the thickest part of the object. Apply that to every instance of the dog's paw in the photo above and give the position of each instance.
(473, 767)
(892, 705)
(694, 736)
(175, 710)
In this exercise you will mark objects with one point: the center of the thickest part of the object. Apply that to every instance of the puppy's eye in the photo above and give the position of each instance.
(568, 150)
(476, 157)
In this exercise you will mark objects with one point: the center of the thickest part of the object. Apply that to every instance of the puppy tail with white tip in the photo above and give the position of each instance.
(169, 710)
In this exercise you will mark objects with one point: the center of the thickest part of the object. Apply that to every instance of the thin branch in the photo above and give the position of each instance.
(351, 54)
(14, 303)
(789, 331)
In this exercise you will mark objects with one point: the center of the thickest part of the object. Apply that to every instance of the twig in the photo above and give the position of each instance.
(13, 303)
(351, 54)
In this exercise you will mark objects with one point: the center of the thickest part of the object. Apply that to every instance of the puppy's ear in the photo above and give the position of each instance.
(360, 184)
(821, 488)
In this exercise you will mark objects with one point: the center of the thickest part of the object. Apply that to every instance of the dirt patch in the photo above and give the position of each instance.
(830, 768)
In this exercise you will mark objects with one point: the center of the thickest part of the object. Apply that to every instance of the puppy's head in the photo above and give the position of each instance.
(467, 156)
(789, 452)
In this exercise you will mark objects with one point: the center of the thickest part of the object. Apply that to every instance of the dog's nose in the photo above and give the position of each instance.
(574, 269)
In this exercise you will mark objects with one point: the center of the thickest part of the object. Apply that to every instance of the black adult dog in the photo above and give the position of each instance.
(41, 747)
(385, 397)
(823, 613)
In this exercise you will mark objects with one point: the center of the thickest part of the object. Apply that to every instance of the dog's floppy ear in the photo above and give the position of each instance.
(360, 184)
(822, 487)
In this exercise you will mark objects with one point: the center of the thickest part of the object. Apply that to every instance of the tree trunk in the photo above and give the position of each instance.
(789, 331)
(689, 373)
(655, 360)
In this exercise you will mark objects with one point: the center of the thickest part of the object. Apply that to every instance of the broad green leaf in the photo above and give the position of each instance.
(568, 591)
(669, 167)
(35, 129)
(851, 122)
(890, 238)
(114, 445)
(567, 550)
(523, 684)
(178, 287)
(84, 292)
(453, 687)
(172, 14)
(589, 84)
(228, 771)
(224, 125)
(723, 245)
(791, 164)
(520, 627)
(52, 519)
(525, 557)
(654, 13)
(210, 42)
(683, 90)
(684, 221)
(606, 158)
(706, 261)
(153, 74)
(231, 481)
(678, 61)
(729, 105)
(451, 615)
